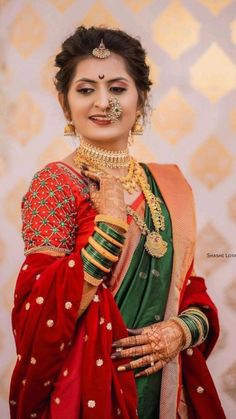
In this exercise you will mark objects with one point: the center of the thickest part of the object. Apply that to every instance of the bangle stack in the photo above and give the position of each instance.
(112, 220)
(196, 326)
(186, 330)
(103, 248)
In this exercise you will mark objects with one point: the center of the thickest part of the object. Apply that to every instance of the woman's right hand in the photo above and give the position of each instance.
(106, 193)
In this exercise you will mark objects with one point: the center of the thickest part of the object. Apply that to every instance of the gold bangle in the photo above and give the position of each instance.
(112, 220)
(102, 251)
(186, 330)
(92, 280)
(108, 238)
(94, 262)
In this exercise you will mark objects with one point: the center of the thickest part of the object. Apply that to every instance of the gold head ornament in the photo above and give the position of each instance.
(101, 51)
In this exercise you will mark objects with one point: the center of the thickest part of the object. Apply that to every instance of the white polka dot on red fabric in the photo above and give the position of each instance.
(68, 305)
(71, 263)
(50, 323)
(47, 383)
(91, 403)
(39, 300)
(57, 400)
(27, 306)
(25, 267)
(102, 320)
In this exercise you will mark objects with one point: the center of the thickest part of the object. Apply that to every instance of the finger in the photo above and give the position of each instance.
(135, 331)
(131, 341)
(131, 352)
(139, 363)
(90, 175)
(151, 370)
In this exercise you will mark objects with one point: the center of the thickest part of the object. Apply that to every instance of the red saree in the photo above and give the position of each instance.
(47, 300)
(64, 367)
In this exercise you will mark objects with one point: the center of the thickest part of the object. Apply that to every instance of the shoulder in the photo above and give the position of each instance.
(57, 179)
(168, 171)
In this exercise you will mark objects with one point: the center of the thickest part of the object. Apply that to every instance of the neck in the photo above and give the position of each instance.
(115, 145)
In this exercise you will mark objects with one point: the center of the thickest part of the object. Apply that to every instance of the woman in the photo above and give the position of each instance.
(109, 318)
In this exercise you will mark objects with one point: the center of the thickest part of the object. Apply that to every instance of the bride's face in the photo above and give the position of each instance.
(95, 82)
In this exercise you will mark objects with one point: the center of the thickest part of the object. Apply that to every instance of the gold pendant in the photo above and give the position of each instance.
(155, 245)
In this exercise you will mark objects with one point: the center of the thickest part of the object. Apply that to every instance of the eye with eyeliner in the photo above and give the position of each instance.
(85, 90)
(113, 89)
(117, 89)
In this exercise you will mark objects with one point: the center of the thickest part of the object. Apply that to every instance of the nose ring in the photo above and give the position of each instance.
(114, 111)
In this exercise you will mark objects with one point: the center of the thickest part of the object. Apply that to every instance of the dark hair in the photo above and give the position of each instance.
(84, 40)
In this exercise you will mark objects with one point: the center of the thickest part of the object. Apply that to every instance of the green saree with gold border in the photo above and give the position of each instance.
(142, 298)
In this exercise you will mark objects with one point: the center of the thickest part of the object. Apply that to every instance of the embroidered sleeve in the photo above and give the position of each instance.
(48, 213)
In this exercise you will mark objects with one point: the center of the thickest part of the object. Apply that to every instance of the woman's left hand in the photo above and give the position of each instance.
(154, 345)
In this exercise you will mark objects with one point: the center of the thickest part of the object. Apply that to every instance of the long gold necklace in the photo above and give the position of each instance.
(99, 159)
(154, 244)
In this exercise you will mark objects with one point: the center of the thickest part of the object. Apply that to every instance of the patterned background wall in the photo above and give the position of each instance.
(191, 48)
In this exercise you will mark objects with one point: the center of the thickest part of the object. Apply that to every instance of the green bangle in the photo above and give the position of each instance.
(91, 269)
(192, 327)
(92, 273)
(98, 257)
(201, 317)
(205, 326)
(111, 232)
(104, 243)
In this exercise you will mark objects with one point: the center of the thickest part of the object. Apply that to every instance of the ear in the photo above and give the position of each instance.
(141, 102)
(61, 99)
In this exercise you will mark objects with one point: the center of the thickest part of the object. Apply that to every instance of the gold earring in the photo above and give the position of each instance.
(69, 129)
(130, 139)
(137, 128)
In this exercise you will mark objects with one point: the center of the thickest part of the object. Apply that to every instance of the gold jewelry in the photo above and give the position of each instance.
(102, 251)
(137, 128)
(92, 280)
(98, 157)
(112, 220)
(154, 244)
(130, 139)
(69, 129)
(101, 51)
(108, 238)
(94, 262)
(114, 111)
(186, 330)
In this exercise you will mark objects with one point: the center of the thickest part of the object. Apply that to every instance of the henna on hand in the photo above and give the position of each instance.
(106, 194)
(154, 345)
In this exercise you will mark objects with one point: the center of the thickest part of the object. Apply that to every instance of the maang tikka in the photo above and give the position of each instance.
(101, 51)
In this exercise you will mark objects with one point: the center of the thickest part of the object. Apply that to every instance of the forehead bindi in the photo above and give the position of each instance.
(112, 67)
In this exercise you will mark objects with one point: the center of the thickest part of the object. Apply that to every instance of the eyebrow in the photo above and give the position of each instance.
(95, 81)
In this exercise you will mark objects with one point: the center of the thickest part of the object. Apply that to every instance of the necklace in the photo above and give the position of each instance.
(98, 156)
(154, 244)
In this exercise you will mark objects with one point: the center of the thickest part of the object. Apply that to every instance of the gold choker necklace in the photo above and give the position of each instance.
(99, 156)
